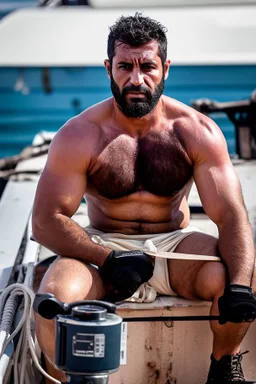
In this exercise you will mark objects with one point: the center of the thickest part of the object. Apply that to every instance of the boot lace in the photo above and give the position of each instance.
(236, 373)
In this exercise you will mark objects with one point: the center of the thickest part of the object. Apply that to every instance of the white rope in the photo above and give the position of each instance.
(180, 256)
(25, 351)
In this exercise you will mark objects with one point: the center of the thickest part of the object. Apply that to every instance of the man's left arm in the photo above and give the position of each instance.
(221, 196)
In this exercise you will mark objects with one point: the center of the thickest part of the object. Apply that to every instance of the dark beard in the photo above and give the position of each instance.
(136, 108)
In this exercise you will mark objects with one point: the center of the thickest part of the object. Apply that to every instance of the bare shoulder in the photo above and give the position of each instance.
(79, 137)
(86, 125)
(199, 133)
(77, 142)
(187, 119)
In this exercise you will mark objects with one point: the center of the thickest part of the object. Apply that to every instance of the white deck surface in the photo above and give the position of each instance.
(15, 208)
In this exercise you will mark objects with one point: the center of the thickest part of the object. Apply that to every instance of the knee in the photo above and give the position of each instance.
(219, 277)
(71, 280)
(211, 281)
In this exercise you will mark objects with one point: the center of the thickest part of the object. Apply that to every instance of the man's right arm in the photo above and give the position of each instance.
(58, 196)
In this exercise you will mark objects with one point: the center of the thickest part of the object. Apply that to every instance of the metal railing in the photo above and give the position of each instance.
(242, 114)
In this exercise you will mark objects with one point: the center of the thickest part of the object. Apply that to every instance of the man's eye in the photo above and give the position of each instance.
(148, 67)
(125, 66)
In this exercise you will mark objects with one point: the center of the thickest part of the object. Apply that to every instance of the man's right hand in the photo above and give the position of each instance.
(126, 271)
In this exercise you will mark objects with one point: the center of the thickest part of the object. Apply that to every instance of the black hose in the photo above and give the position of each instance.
(170, 318)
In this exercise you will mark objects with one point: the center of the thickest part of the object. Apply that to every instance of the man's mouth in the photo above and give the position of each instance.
(136, 95)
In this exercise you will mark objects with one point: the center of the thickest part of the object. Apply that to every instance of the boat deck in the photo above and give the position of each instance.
(153, 359)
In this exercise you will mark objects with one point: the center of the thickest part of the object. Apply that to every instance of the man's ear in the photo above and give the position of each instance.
(166, 69)
(107, 66)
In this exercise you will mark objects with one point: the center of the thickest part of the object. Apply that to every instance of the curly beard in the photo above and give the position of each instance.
(136, 107)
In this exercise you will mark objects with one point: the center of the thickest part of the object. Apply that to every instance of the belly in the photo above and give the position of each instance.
(140, 212)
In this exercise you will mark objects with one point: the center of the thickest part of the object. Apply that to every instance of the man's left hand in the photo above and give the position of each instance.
(237, 304)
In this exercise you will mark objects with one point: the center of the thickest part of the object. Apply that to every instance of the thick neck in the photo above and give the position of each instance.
(138, 126)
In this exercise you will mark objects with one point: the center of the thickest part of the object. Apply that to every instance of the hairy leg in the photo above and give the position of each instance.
(69, 280)
(206, 280)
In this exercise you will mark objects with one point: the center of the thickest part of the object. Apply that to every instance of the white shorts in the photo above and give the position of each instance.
(165, 242)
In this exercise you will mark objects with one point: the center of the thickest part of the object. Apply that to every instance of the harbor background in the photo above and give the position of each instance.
(41, 98)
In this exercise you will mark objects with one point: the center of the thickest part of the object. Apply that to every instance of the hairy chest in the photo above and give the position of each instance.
(156, 163)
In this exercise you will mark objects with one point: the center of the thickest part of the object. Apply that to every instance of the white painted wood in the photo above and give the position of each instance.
(172, 352)
(160, 303)
(42, 136)
(32, 247)
(15, 207)
(197, 35)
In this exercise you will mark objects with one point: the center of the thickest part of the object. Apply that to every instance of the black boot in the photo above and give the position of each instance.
(227, 370)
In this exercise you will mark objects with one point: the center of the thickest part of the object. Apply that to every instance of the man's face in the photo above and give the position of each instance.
(137, 78)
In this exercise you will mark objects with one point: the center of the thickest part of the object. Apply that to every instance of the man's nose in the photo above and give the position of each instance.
(136, 77)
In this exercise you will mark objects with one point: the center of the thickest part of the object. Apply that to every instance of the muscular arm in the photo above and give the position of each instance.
(59, 193)
(221, 196)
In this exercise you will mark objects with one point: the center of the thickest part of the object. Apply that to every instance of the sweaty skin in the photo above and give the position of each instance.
(136, 175)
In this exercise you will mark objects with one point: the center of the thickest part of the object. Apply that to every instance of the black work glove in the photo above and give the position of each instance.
(237, 304)
(126, 271)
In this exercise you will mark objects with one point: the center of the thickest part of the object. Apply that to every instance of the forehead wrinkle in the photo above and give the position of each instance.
(141, 53)
(136, 59)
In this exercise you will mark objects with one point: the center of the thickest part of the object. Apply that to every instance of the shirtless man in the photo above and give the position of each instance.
(133, 157)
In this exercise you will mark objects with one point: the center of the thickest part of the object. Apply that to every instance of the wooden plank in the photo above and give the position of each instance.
(161, 302)
(15, 208)
(32, 247)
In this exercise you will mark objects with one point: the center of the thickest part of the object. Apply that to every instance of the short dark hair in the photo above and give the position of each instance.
(135, 31)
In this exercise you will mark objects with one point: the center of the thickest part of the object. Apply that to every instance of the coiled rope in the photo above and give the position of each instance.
(14, 299)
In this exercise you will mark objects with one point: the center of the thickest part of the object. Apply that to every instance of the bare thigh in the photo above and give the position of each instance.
(70, 280)
(197, 279)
